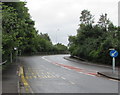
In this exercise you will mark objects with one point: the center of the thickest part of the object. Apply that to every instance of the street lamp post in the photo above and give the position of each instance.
(15, 48)
(11, 57)
(19, 52)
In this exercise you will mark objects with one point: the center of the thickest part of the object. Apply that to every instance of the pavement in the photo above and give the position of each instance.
(109, 74)
(10, 80)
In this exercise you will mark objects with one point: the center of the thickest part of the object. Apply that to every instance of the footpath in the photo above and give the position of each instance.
(107, 73)
(10, 80)
(14, 81)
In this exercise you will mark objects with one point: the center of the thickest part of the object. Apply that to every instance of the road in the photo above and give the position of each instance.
(54, 74)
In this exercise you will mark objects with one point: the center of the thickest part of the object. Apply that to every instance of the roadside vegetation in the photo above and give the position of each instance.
(19, 36)
(93, 40)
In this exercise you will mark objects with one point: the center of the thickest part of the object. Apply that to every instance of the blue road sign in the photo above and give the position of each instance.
(113, 53)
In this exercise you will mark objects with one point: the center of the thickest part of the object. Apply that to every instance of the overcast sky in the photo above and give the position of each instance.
(60, 18)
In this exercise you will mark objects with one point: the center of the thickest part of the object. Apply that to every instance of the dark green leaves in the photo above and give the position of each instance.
(93, 42)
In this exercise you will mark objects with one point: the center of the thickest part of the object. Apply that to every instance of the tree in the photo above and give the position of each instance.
(18, 28)
(104, 21)
(45, 36)
(86, 17)
(19, 31)
(9, 30)
(60, 48)
(92, 44)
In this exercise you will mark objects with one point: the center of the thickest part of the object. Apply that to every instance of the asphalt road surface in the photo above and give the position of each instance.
(54, 74)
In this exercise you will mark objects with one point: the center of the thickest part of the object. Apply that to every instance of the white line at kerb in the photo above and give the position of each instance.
(31, 89)
(46, 59)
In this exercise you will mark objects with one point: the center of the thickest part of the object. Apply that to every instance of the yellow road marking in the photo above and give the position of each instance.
(23, 77)
(35, 77)
(26, 73)
(24, 81)
(26, 77)
(30, 77)
(45, 76)
(35, 73)
(49, 76)
(32, 73)
(27, 90)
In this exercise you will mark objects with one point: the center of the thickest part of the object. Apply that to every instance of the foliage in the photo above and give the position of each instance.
(60, 48)
(104, 21)
(86, 17)
(19, 32)
(93, 42)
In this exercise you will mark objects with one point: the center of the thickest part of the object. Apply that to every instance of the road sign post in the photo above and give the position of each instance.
(113, 63)
(113, 54)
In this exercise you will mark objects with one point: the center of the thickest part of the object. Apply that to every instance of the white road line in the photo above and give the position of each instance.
(86, 74)
(46, 59)
(81, 72)
(65, 68)
(68, 80)
(31, 89)
(114, 80)
(90, 75)
(63, 78)
(19, 87)
(71, 82)
(56, 75)
(56, 64)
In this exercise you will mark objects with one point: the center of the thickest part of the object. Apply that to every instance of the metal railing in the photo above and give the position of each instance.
(3, 62)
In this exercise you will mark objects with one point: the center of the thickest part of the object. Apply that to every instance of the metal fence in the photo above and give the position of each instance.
(3, 62)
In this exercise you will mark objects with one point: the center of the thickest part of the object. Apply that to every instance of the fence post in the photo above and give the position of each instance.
(11, 57)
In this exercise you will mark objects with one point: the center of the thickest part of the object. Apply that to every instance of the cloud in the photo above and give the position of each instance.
(50, 15)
